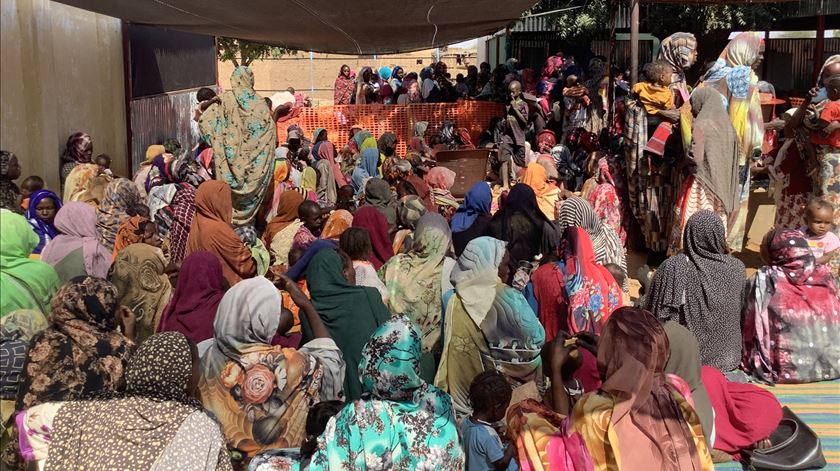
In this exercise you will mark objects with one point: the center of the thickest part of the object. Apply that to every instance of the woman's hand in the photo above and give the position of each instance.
(671, 115)
(288, 285)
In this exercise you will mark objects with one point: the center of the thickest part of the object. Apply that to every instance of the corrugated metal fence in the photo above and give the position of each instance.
(157, 118)
(790, 62)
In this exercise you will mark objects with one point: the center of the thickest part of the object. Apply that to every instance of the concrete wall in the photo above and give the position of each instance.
(61, 72)
(316, 77)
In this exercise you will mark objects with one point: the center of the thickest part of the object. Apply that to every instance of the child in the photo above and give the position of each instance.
(30, 185)
(512, 145)
(356, 243)
(655, 94)
(346, 199)
(490, 396)
(620, 278)
(825, 245)
(205, 97)
(576, 104)
(461, 87)
(104, 163)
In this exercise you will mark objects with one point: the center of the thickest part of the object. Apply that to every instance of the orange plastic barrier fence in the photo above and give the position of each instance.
(475, 116)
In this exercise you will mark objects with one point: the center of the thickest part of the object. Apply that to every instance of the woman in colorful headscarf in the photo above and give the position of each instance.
(791, 316)
(702, 288)
(84, 183)
(485, 332)
(441, 180)
(118, 204)
(605, 201)
(258, 392)
(43, 206)
(16, 330)
(712, 183)
(472, 217)
(372, 220)
(733, 75)
(76, 250)
(412, 93)
(368, 168)
(548, 195)
(638, 419)
(417, 280)
(575, 294)
(24, 283)
(284, 225)
(82, 352)
(243, 136)
(400, 413)
(576, 212)
(211, 231)
(155, 423)
(409, 211)
(344, 86)
(350, 313)
(78, 150)
(136, 230)
(199, 291)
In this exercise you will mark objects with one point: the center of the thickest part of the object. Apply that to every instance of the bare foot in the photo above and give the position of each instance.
(762, 444)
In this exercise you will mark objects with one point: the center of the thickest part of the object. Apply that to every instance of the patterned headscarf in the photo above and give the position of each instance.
(16, 328)
(137, 430)
(138, 273)
(74, 151)
(676, 50)
(413, 280)
(703, 288)
(81, 352)
(121, 196)
(399, 408)
(576, 212)
(9, 192)
(411, 209)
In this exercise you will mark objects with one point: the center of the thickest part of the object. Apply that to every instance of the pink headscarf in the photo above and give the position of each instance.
(441, 178)
(76, 222)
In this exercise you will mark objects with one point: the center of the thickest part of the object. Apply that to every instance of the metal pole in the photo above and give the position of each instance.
(311, 73)
(819, 47)
(634, 41)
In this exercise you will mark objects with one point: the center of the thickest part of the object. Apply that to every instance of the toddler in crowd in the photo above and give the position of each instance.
(655, 94)
(825, 245)
(104, 163)
(490, 396)
(30, 185)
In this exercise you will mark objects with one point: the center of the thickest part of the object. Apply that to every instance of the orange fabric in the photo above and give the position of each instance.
(397, 119)
(338, 222)
(287, 212)
(211, 231)
(654, 98)
(536, 178)
(831, 112)
(127, 234)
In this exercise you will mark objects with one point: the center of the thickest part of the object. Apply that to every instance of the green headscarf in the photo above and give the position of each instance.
(24, 283)
(350, 313)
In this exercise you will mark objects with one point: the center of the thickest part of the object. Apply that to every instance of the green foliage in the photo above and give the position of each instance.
(242, 52)
(586, 19)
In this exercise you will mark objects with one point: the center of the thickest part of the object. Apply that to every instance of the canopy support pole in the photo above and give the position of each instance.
(634, 41)
(819, 47)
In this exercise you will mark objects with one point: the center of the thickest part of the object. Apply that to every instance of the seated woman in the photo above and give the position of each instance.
(378, 194)
(156, 424)
(548, 195)
(702, 288)
(416, 282)
(355, 242)
(192, 309)
(281, 230)
(139, 273)
(76, 250)
(410, 210)
(399, 415)
(43, 205)
(482, 331)
(372, 220)
(575, 294)
(605, 201)
(260, 393)
(24, 283)
(211, 231)
(791, 318)
(638, 419)
(577, 212)
(350, 313)
(472, 218)
(441, 180)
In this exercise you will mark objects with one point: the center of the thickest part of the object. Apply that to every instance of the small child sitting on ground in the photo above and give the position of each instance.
(490, 396)
(825, 245)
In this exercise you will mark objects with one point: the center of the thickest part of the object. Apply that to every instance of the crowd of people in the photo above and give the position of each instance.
(311, 304)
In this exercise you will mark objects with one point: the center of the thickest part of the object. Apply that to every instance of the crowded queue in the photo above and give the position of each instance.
(332, 305)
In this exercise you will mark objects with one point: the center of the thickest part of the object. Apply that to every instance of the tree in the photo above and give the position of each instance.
(584, 19)
(242, 52)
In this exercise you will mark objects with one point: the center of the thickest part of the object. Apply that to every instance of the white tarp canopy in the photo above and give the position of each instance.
(338, 26)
